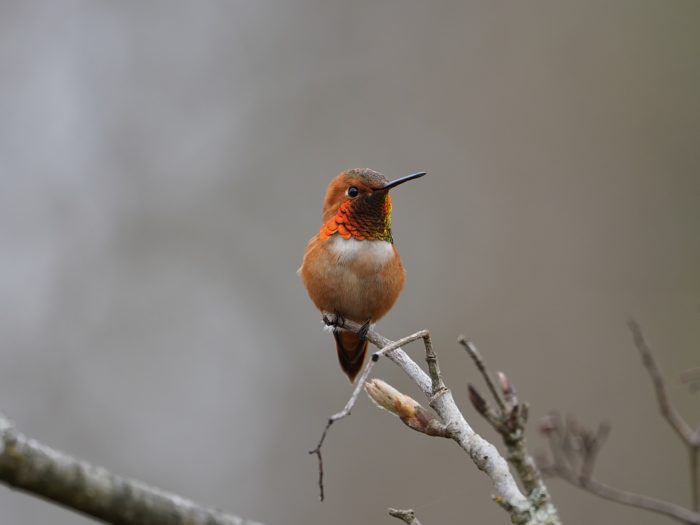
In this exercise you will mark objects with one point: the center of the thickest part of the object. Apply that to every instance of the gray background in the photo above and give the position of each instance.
(162, 165)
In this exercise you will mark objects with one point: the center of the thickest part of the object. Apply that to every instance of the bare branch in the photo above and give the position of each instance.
(694, 485)
(509, 420)
(388, 347)
(631, 499)
(591, 445)
(30, 466)
(667, 409)
(482, 453)
(407, 516)
(481, 366)
(683, 429)
(574, 450)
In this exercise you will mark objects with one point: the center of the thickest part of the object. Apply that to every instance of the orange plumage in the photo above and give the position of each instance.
(351, 267)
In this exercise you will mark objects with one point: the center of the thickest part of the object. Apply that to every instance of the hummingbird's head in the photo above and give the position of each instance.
(358, 205)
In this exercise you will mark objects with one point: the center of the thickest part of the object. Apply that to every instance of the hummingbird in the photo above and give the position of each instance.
(351, 268)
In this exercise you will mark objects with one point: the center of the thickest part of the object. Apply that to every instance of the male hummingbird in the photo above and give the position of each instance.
(351, 268)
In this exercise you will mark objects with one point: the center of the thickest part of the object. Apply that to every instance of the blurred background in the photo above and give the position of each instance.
(163, 164)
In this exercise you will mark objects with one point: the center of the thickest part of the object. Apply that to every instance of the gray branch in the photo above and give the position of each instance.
(407, 516)
(30, 466)
(574, 449)
(683, 429)
(509, 419)
(631, 499)
(485, 456)
(353, 398)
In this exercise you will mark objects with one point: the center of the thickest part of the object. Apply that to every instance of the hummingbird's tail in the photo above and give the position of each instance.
(351, 352)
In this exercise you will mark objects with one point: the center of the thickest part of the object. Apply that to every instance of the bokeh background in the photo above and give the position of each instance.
(163, 164)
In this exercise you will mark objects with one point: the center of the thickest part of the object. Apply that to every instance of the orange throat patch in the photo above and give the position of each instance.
(360, 224)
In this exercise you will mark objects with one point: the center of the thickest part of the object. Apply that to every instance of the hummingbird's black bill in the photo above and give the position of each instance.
(401, 180)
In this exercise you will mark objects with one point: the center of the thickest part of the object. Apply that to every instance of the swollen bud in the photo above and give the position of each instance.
(387, 397)
(408, 409)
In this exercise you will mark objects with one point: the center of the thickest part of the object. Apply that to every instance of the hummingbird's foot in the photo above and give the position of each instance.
(335, 320)
(339, 320)
(362, 332)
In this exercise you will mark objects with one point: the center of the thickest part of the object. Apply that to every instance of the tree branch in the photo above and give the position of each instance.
(683, 429)
(30, 466)
(484, 455)
(389, 347)
(407, 516)
(574, 450)
(631, 499)
(509, 420)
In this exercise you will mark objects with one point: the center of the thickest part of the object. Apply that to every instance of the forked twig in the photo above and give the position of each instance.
(523, 510)
(574, 449)
(509, 419)
(683, 429)
(350, 325)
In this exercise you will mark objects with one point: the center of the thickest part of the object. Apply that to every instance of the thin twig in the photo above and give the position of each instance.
(433, 367)
(592, 445)
(693, 452)
(481, 366)
(690, 437)
(33, 467)
(574, 450)
(482, 453)
(407, 516)
(684, 431)
(510, 421)
(631, 499)
(392, 345)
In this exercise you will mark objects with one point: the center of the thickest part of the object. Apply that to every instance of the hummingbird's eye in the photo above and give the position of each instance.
(353, 191)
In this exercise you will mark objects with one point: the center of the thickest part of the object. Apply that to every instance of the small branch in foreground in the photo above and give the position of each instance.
(30, 466)
(407, 516)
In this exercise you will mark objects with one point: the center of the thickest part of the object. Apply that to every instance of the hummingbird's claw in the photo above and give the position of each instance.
(335, 320)
(362, 332)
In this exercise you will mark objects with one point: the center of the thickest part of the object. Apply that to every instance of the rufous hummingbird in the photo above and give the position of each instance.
(351, 268)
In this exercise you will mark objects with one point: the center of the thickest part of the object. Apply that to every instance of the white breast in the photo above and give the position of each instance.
(349, 250)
